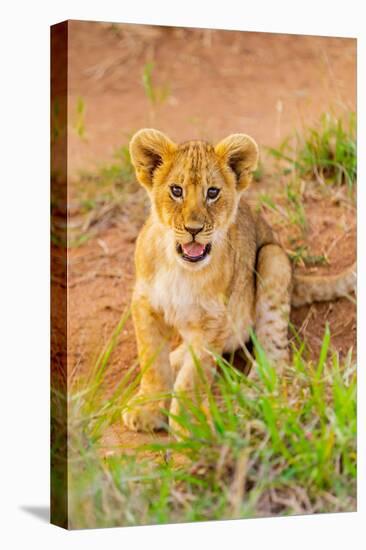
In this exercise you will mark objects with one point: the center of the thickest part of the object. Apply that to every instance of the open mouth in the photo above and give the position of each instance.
(193, 251)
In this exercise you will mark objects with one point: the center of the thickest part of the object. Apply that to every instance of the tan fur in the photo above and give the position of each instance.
(315, 288)
(244, 283)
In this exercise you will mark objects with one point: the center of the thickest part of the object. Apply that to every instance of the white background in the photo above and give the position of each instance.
(24, 271)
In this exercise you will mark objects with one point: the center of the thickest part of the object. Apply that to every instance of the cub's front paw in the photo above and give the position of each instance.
(146, 417)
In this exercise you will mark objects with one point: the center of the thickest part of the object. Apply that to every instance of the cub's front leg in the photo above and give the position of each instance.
(144, 413)
(194, 374)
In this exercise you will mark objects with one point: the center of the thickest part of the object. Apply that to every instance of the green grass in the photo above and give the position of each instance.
(288, 205)
(295, 205)
(259, 173)
(98, 198)
(79, 124)
(326, 153)
(300, 255)
(101, 196)
(155, 94)
(318, 164)
(111, 182)
(277, 444)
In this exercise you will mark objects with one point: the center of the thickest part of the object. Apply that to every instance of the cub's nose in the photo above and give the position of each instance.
(193, 230)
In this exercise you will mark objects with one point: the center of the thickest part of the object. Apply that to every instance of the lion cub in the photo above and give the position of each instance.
(208, 269)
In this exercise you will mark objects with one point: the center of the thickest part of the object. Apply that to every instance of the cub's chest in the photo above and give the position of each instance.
(183, 298)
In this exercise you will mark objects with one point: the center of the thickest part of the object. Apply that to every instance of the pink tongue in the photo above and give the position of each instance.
(193, 249)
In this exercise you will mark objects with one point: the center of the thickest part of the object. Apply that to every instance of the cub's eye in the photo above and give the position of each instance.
(213, 192)
(176, 191)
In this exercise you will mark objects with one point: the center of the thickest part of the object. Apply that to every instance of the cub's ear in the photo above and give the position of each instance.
(240, 153)
(149, 149)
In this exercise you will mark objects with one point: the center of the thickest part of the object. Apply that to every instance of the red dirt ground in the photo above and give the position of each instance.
(220, 82)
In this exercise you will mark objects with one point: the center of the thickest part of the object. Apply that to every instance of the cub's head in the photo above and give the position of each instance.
(194, 188)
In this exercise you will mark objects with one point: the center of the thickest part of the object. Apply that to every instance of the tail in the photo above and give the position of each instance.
(318, 288)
